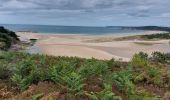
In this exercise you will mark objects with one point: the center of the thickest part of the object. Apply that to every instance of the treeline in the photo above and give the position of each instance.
(7, 38)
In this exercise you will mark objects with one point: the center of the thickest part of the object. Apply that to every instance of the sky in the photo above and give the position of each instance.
(86, 12)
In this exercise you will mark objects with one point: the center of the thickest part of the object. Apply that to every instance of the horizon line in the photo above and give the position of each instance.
(89, 26)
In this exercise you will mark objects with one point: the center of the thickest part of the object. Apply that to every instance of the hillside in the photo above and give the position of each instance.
(7, 38)
(40, 77)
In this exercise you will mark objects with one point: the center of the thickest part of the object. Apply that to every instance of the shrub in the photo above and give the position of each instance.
(24, 74)
(8, 32)
(123, 80)
(143, 55)
(114, 65)
(139, 60)
(107, 93)
(168, 75)
(37, 96)
(111, 63)
(7, 38)
(93, 68)
(139, 77)
(5, 71)
(62, 69)
(74, 83)
(22, 83)
(161, 57)
(154, 75)
(65, 75)
(153, 72)
(143, 94)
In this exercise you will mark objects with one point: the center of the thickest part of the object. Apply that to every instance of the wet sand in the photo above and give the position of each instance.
(80, 46)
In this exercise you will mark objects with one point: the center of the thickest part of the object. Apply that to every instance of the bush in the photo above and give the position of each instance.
(161, 57)
(153, 72)
(105, 94)
(10, 33)
(93, 68)
(5, 71)
(5, 65)
(64, 74)
(143, 55)
(7, 37)
(25, 73)
(155, 75)
(143, 94)
(114, 65)
(123, 80)
(111, 63)
(168, 76)
(60, 70)
(22, 82)
(139, 60)
(74, 83)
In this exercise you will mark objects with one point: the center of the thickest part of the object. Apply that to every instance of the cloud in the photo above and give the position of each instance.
(164, 15)
(99, 9)
(78, 4)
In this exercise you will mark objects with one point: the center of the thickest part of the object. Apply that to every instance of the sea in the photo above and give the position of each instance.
(56, 29)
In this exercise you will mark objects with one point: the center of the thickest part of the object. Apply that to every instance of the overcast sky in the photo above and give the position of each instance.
(86, 12)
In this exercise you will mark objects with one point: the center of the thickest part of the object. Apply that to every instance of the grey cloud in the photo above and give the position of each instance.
(134, 8)
(76, 4)
(138, 14)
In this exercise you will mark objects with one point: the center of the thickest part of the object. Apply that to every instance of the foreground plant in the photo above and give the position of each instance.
(140, 60)
(78, 79)
(24, 74)
(123, 80)
(105, 94)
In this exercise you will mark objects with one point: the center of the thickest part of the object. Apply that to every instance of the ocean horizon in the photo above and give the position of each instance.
(57, 29)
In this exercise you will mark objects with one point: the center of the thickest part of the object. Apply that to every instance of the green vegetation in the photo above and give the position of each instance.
(90, 79)
(7, 38)
(150, 28)
(161, 57)
(156, 36)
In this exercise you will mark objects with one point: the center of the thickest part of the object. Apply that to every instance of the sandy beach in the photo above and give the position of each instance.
(99, 47)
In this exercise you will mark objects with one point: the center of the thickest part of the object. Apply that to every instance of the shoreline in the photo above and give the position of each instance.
(77, 45)
(144, 32)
